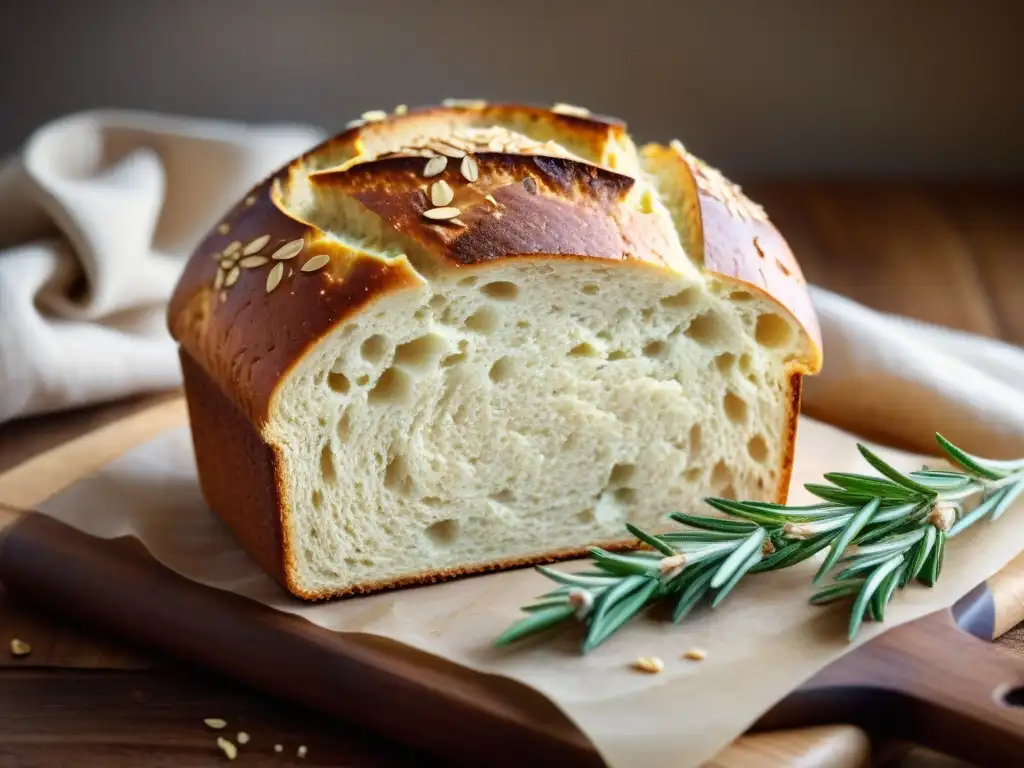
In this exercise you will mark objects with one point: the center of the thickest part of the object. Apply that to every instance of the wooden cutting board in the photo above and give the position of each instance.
(929, 681)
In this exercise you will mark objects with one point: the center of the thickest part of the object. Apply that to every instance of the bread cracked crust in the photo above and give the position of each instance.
(549, 185)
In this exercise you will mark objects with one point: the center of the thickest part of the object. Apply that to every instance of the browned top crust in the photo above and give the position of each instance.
(325, 235)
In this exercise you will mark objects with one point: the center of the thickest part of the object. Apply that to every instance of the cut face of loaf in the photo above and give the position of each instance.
(602, 336)
(528, 408)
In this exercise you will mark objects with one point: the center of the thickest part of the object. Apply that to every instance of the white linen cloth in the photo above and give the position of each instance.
(100, 210)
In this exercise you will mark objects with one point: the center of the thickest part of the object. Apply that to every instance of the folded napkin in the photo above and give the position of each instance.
(100, 210)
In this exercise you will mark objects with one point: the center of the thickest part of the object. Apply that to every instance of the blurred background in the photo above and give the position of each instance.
(916, 88)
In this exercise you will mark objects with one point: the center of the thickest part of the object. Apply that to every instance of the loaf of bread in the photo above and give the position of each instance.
(470, 337)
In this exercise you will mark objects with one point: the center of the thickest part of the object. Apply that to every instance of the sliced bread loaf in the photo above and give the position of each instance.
(469, 337)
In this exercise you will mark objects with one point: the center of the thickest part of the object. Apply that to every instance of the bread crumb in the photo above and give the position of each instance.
(242, 738)
(20, 647)
(216, 723)
(696, 654)
(278, 748)
(229, 749)
(301, 751)
(650, 664)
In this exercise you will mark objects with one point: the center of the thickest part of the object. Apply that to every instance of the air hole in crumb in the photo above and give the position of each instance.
(468, 282)
(758, 449)
(484, 320)
(721, 476)
(655, 349)
(618, 354)
(437, 302)
(745, 363)
(696, 437)
(374, 348)
(317, 500)
(622, 474)
(338, 381)
(344, 426)
(725, 362)
(501, 290)
(460, 415)
(421, 352)
(728, 492)
(502, 369)
(504, 496)
(523, 324)
(707, 329)
(393, 385)
(431, 501)
(735, 407)
(363, 380)
(772, 331)
(420, 314)
(327, 472)
(625, 496)
(741, 296)
(604, 335)
(449, 316)
(646, 314)
(591, 289)
(683, 299)
(693, 474)
(455, 359)
(586, 515)
(584, 349)
(396, 476)
(443, 533)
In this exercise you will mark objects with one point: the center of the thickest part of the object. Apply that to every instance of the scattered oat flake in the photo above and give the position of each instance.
(256, 245)
(441, 193)
(570, 109)
(457, 222)
(650, 664)
(250, 200)
(20, 647)
(232, 277)
(696, 654)
(316, 263)
(242, 737)
(218, 280)
(227, 263)
(223, 229)
(374, 115)
(228, 748)
(278, 748)
(441, 214)
(469, 169)
(401, 109)
(251, 262)
(232, 247)
(435, 165)
(216, 723)
(274, 276)
(301, 751)
(289, 250)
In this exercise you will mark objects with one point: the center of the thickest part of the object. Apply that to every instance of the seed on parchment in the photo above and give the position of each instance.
(289, 250)
(650, 664)
(242, 737)
(441, 214)
(218, 280)
(316, 263)
(256, 245)
(274, 276)
(469, 169)
(435, 165)
(301, 751)
(223, 229)
(232, 277)
(278, 748)
(227, 263)
(216, 723)
(695, 654)
(250, 200)
(230, 750)
(251, 262)
(232, 247)
(441, 193)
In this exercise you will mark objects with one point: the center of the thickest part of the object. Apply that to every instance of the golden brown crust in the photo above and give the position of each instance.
(547, 186)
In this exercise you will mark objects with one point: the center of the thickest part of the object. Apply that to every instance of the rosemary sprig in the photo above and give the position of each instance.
(881, 532)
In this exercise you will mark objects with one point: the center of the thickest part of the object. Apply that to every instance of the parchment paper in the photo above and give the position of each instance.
(763, 642)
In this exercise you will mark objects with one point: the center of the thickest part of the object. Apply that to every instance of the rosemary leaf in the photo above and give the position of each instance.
(778, 558)
(921, 552)
(576, 579)
(623, 565)
(858, 564)
(836, 591)
(739, 557)
(985, 507)
(713, 523)
(849, 533)
(812, 547)
(884, 594)
(535, 622)
(614, 595)
(543, 605)
(694, 591)
(1010, 495)
(933, 566)
(651, 541)
(734, 579)
(892, 473)
(687, 537)
(838, 495)
(893, 543)
(972, 464)
(871, 583)
(872, 486)
(623, 611)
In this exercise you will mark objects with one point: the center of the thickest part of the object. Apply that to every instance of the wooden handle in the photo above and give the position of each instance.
(1007, 588)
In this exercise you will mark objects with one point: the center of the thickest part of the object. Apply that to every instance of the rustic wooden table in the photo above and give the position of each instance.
(950, 255)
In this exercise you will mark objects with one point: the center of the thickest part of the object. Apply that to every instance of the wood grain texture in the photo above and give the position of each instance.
(960, 247)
